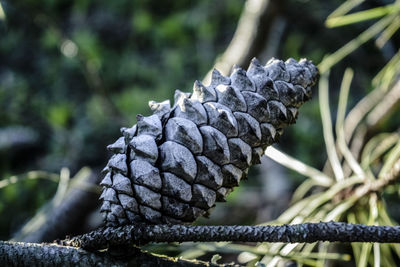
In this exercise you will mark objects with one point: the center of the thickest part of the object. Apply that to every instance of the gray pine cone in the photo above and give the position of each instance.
(173, 166)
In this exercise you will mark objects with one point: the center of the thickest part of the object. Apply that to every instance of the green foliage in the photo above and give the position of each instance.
(66, 59)
(74, 72)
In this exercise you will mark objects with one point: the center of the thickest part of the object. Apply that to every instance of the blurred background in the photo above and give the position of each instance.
(73, 72)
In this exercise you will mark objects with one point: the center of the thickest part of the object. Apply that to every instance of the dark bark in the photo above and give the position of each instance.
(31, 254)
(300, 233)
(84, 250)
(24, 254)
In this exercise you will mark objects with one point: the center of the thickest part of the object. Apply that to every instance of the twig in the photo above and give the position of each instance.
(298, 233)
(32, 175)
(377, 186)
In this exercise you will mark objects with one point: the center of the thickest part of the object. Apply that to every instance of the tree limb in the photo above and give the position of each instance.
(299, 233)
(19, 253)
(32, 254)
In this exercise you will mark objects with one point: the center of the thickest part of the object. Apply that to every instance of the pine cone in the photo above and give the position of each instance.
(173, 166)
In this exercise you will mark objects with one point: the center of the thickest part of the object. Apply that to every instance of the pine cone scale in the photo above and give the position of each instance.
(173, 166)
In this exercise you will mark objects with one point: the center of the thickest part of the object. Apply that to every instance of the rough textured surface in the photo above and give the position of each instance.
(295, 233)
(174, 165)
(30, 254)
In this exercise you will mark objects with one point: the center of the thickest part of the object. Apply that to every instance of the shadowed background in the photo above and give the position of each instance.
(73, 72)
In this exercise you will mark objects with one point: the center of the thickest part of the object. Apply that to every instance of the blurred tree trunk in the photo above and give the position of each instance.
(55, 220)
(257, 22)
